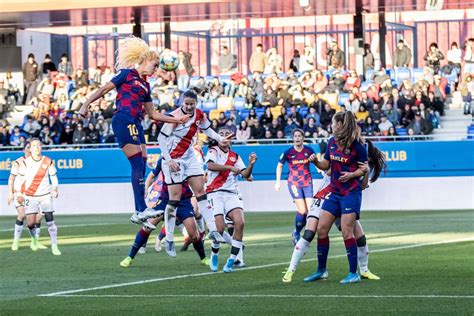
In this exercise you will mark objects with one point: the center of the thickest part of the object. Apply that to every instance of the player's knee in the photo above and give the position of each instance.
(49, 216)
(347, 232)
(21, 217)
(361, 241)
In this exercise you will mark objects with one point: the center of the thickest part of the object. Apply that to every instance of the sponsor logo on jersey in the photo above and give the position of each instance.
(347, 151)
(232, 159)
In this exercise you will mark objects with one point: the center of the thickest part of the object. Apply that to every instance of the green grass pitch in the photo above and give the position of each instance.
(425, 261)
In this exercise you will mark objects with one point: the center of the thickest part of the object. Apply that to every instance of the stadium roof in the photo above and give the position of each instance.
(43, 13)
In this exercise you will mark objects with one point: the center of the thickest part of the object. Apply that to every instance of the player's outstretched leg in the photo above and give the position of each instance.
(140, 239)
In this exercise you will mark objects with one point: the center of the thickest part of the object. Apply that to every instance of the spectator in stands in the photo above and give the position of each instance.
(92, 134)
(222, 119)
(469, 57)
(361, 115)
(436, 104)
(3, 98)
(15, 136)
(79, 135)
(336, 82)
(370, 128)
(376, 114)
(318, 104)
(274, 127)
(433, 58)
(45, 136)
(185, 70)
(392, 131)
(11, 85)
(283, 95)
(103, 127)
(290, 127)
(31, 127)
(352, 81)
(274, 62)
(65, 66)
(365, 101)
(439, 88)
(291, 79)
(31, 74)
(391, 114)
(269, 97)
(215, 90)
(407, 115)
(295, 61)
(369, 60)
(67, 136)
(81, 78)
(258, 60)
(268, 134)
(454, 57)
(420, 126)
(310, 128)
(4, 135)
(335, 57)
(48, 66)
(245, 91)
(384, 124)
(312, 113)
(227, 62)
(352, 104)
(258, 132)
(236, 118)
(321, 82)
(295, 116)
(401, 55)
(267, 117)
(153, 132)
(244, 131)
(307, 60)
(326, 116)
(215, 125)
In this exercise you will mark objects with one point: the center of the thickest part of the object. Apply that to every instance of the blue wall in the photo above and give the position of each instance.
(405, 159)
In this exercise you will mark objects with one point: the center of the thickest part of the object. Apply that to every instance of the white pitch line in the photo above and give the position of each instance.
(185, 276)
(428, 296)
(72, 225)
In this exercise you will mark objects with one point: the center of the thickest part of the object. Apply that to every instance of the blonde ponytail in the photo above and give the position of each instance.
(132, 52)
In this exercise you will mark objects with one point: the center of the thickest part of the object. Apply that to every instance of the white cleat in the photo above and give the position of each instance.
(158, 245)
(134, 219)
(149, 213)
(149, 225)
(170, 249)
(142, 250)
(216, 237)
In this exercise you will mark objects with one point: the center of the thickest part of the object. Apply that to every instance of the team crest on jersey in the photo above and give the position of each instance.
(306, 154)
(232, 159)
(137, 82)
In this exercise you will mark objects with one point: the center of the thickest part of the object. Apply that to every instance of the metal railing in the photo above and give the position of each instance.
(270, 141)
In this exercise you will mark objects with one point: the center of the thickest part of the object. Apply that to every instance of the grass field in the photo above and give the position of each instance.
(425, 260)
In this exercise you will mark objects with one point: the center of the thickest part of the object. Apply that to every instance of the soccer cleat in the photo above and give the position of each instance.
(41, 246)
(55, 250)
(149, 213)
(239, 264)
(148, 225)
(295, 236)
(369, 275)
(288, 276)
(134, 219)
(216, 237)
(126, 262)
(214, 264)
(318, 275)
(170, 249)
(15, 245)
(142, 250)
(228, 265)
(34, 244)
(158, 245)
(206, 261)
(351, 278)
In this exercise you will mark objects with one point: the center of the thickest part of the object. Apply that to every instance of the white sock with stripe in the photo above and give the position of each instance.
(53, 232)
(298, 253)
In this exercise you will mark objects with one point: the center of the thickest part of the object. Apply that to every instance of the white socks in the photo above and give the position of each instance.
(298, 253)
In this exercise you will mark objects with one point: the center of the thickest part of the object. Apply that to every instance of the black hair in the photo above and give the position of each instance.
(377, 162)
(189, 94)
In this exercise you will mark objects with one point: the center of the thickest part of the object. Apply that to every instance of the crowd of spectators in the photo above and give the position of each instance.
(380, 105)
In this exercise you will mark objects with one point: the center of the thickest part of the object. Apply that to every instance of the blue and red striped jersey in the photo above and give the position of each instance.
(132, 92)
(299, 174)
(345, 160)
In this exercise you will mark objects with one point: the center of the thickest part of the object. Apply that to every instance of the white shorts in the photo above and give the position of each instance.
(35, 204)
(315, 210)
(224, 202)
(189, 167)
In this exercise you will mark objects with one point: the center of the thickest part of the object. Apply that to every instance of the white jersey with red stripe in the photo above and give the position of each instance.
(180, 136)
(324, 188)
(16, 165)
(225, 181)
(36, 176)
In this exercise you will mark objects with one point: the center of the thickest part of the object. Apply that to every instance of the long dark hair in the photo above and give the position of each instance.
(377, 162)
(349, 131)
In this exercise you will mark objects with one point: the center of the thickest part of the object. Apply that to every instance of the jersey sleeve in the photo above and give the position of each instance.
(157, 169)
(52, 169)
(240, 163)
(120, 77)
(167, 129)
(205, 123)
(361, 151)
(283, 157)
(14, 169)
(211, 155)
(326, 154)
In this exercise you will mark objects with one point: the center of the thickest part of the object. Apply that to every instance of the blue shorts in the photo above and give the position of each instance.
(128, 129)
(300, 192)
(185, 209)
(338, 205)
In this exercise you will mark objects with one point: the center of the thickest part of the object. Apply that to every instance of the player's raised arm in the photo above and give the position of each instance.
(247, 172)
(157, 116)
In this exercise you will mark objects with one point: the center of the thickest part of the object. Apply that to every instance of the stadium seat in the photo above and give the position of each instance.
(214, 114)
(259, 112)
(391, 73)
(401, 131)
(415, 73)
(343, 97)
(224, 103)
(402, 74)
(303, 111)
(244, 113)
(239, 103)
(209, 105)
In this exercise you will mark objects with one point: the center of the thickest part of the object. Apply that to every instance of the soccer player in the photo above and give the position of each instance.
(184, 214)
(376, 165)
(346, 157)
(299, 179)
(134, 61)
(19, 203)
(33, 183)
(223, 167)
(180, 163)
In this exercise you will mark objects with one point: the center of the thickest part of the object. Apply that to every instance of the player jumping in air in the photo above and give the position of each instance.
(134, 61)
